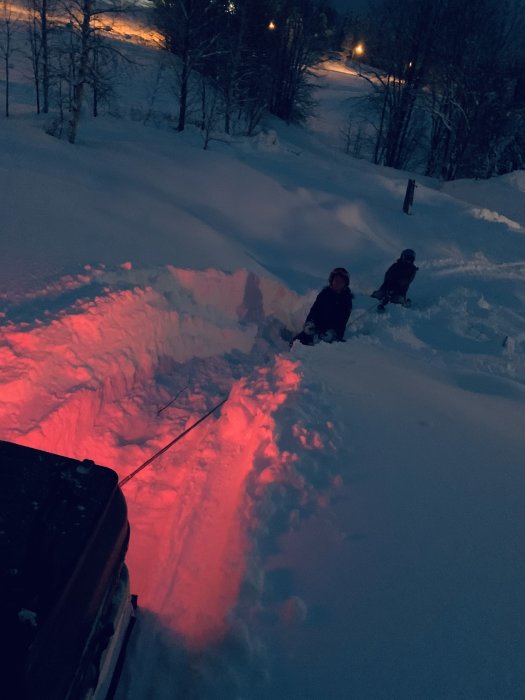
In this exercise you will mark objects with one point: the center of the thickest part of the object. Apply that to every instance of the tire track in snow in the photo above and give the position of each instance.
(205, 560)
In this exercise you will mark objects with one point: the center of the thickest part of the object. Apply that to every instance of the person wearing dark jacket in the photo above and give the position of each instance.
(398, 279)
(330, 312)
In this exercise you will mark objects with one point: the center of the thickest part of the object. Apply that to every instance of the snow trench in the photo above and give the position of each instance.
(112, 365)
(82, 374)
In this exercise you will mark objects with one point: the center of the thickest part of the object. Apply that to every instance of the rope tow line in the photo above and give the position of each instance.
(363, 313)
(170, 444)
(172, 400)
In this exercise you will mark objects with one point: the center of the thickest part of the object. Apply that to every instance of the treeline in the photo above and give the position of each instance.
(65, 46)
(448, 86)
(245, 57)
(235, 59)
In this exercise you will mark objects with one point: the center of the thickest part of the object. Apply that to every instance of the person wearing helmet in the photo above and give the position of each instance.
(398, 279)
(330, 312)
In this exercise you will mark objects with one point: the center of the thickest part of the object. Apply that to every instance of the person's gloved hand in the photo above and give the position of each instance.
(309, 328)
(329, 336)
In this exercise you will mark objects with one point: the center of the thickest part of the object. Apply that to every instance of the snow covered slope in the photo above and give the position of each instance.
(350, 524)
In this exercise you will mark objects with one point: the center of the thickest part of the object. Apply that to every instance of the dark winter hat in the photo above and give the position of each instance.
(408, 255)
(339, 272)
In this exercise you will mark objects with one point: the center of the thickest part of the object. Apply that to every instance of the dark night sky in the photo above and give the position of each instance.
(350, 5)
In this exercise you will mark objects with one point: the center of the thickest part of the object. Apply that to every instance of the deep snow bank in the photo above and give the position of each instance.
(94, 376)
(80, 377)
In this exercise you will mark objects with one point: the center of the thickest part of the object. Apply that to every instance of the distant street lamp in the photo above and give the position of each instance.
(272, 25)
(358, 50)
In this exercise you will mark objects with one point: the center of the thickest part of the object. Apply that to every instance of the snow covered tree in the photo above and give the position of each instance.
(258, 53)
(80, 51)
(446, 84)
(40, 27)
(399, 45)
(81, 14)
(190, 29)
(300, 36)
(239, 67)
(473, 94)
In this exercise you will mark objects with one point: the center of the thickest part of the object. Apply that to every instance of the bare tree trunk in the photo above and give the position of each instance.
(380, 131)
(6, 48)
(183, 97)
(82, 72)
(45, 56)
(184, 79)
(154, 93)
(35, 44)
(95, 82)
(7, 85)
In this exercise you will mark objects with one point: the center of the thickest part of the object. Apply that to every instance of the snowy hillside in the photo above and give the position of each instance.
(350, 523)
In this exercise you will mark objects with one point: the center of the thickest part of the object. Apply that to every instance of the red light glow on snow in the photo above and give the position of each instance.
(209, 546)
(83, 385)
(309, 439)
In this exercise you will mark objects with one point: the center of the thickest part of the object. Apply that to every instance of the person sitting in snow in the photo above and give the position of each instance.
(398, 279)
(330, 312)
